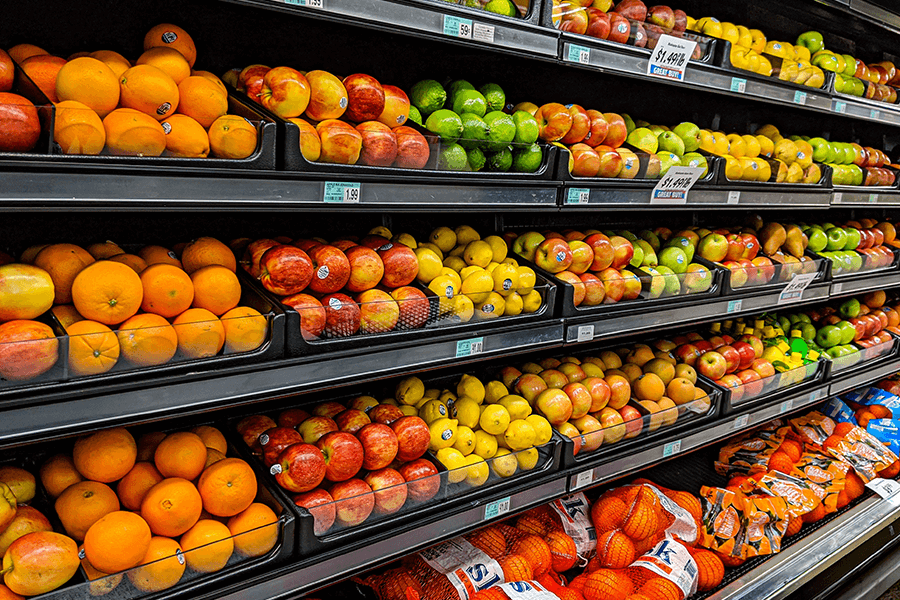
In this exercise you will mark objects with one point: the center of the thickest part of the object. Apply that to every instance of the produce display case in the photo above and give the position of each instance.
(870, 357)
(781, 276)
(640, 180)
(868, 265)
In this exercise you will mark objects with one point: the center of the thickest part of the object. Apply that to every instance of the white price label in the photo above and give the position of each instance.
(786, 406)
(840, 107)
(585, 333)
(837, 197)
(799, 97)
(670, 57)
(483, 33)
(579, 54)
(674, 186)
(733, 197)
(582, 479)
(740, 422)
(469, 347)
(735, 305)
(794, 290)
(738, 85)
(341, 193)
(886, 488)
(578, 196)
(836, 288)
(496, 508)
(457, 27)
(672, 448)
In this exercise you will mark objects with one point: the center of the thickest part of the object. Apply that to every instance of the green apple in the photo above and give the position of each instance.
(828, 336)
(675, 259)
(684, 244)
(853, 238)
(689, 134)
(657, 283)
(673, 282)
(857, 176)
(812, 40)
(856, 261)
(817, 239)
(644, 139)
(629, 122)
(637, 258)
(820, 149)
(837, 237)
(849, 309)
(808, 331)
(850, 65)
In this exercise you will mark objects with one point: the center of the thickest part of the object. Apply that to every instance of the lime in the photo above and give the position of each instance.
(470, 3)
(469, 101)
(526, 127)
(528, 159)
(475, 131)
(500, 161)
(427, 96)
(446, 124)
(493, 94)
(502, 7)
(452, 158)
(501, 130)
(414, 115)
(456, 87)
(476, 159)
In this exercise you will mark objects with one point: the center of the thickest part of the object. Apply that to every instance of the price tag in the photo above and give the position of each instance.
(785, 406)
(740, 422)
(794, 290)
(837, 197)
(582, 479)
(671, 448)
(840, 107)
(579, 54)
(873, 198)
(670, 57)
(341, 193)
(674, 186)
(469, 347)
(738, 85)
(496, 508)
(309, 3)
(836, 288)
(886, 488)
(874, 114)
(733, 197)
(457, 27)
(735, 305)
(483, 33)
(585, 333)
(578, 196)
(799, 97)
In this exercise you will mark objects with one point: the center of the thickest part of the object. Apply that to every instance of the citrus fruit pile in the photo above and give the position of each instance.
(143, 309)
(156, 105)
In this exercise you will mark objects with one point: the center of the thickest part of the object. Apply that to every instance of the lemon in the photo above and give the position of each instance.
(506, 279)
(455, 263)
(721, 144)
(510, 261)
(466, 411)
(478, 470)
(406, 239)
(492, 307)
(485, 444)
(455, 462)
(527, 279)
(751, 146)
(494, 419)
(444, 238)
(454, 275)
(527, 458)
(736, 145)
(433, 410)
(429, 265)
(409, 391)
(465, 234)
(733, 169)
(409, 411)
(432, 393)
(542, 429)
(514, 305)
(393, 401)
(501, 441)
(447, 397)
(458, 251)
(433, 248)
(465, 440)
(519, 435)
(531, 302)
(463, 308)
(491, 266)
(504, 464)
(471, 387)
(494, 390)
(443, 433)
(516, 406)
(478, 286)
(478, 253)
(471, 270)
(498, 247)
(425, 400)
(382, 231)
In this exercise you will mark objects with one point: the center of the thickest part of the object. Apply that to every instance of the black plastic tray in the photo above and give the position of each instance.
(822, 270)
(868, 357)
(863, 273)
(772, 391)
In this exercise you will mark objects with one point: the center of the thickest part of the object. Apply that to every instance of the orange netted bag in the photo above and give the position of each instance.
(813, 428)
(566, 526)
(667, 572)
(862, 451)
(525, 590)
(827, 473)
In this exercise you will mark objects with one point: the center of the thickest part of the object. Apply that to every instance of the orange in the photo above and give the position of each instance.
(880, 411)
(641, 521)
(231, 136)
(681, 390)
(103, 250)
(117, 541)
(134, 261)
(172, 506)
(101, 583)
(648, 387)
(206, 251)
(157, 254)
(22, 52)
(117, 63)
(147, 340)
(42, 69)
(891, 471)
(149, 90)
(212, 438)
(615, 550)
(688, 502)
(533, 524)
(563, 552)
(147, 444)
(254, 529)
(854, 486)
(781, 461)
(607, 584)
(200, 333)
(227, 487)
(815, 514)
(245, 329)
(168, 60)
(207, 546)
(489, 540)
(710, 570)
(66, 314)
(212, 77)
(216, 289)
(794, 449)
(107, 292)
(515, 568)
(83, 504)
(168, 290)
(135, 485)
(105, 456)
(161, 567)
(167, 35)
(202, 99)
(794, 527)
(93, 348)
(63, 262)
(212, 457)
(660, 588)
(181, 454)
(58, 473)
(185, 137)
(30, 253)
(608, 513)
(130, 132)
(843, 428)
(91, 82)
(536, 551)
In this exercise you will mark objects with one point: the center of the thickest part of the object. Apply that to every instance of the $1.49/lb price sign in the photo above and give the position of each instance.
(670, 57)
(794, 290)
(674, 186)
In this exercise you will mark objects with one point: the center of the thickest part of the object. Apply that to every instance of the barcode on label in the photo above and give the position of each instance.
(874, 114)
(579, 54)
(838, 196)
(578, 196)
(339, 192)
(457, 26)
(496, 508)
(671, 448)
(585, 333)
(836, 288)
(738, 85)
(469, 347)
(735, 305)
(840, 107)
(873, 198)
(740, 422)
(799, 97)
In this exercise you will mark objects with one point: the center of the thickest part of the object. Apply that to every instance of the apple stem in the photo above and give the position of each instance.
(6, 570)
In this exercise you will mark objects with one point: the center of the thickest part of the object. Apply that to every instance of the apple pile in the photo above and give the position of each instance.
(856, 246)
(596, 263)
(667, 147)
(852, 164)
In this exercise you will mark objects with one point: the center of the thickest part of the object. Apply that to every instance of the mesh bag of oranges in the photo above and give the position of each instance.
(861, 450)
(566, 525)
(751, 453)
(813, 428)
(741, 526)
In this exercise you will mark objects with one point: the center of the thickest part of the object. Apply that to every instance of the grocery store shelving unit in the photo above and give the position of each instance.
(33, 190)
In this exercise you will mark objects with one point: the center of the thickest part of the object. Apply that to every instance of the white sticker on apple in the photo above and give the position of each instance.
(276, 469)
(335, 304)
(387, 246)
(263, 439)
(560, 256)
(622, 27)
(322, 272)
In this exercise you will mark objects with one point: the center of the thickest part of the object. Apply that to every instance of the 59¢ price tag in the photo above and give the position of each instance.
(670, 57)
(674, 186)
(457, 26)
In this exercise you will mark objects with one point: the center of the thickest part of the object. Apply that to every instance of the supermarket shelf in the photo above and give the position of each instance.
(867, 110)
(861, 197)
(869, 375)
(878, 579)
(705, 197)
(866, 284)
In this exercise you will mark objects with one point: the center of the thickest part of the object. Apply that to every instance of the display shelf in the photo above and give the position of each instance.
(865, 109)
(879, 281)
(857, 379)
(576, 198)
(860, 196)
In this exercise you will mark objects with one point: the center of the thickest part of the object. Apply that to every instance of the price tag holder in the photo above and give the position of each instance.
(497, 508)
(738, 85)
(469, 347)
(837, 197)
(583, 479)
(735, 305)
(483, 33)
(337, 192)
(309, 3)
(794, 290)
(579, 54)
(836, 288)
(457, 27)
(578, 196)
(670, 57)
(733, 197)
(585, 333)
(785, 406)
(674, 186)
(740, 422)
(672, 448)
(800, 97)
(873, 198)
(874, 114)
(886, 488)
(840, 107)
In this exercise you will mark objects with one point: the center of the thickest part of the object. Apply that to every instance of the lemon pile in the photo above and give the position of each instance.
(476, 427)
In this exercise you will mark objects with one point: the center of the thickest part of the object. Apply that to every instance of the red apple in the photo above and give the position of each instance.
(253, 254)
(273, 441)
(623, 251)
(581, 125)
(413, 438)
(378, 311)
(412, 148)
(732, 358)
(582, 257)
(353, 501)
(680, 21)
(390, 490)
(7, 71)
(598, 128)
(343, 455)
(553, 255)
(315, 427)
(529, 386)
(641, 38)
(752, 382)
(554, 405)
(342, 317)
(365, 98)
(341, 143)
(662, 16)
(380, 445)
(576, 283)
(585, 161)
(374, 241)
(331, 269)
(422, 479)
(320, 505)
(632, 9)
(400, 264)
(351, 420)
(250, 428)
(734, 383)
(756, 343)
(619, 28)
(711, 365)
(574, 18)
(413, 305)
(250, 80)
(285, 270)
(328, 97)
(616, 132)
(299, 468)
(703, 346)
(747, 353)
(580, 397)
(307, 244)
(594, 291)
(366, 268)
(613, 285)
(763, 367)
(633, 421)
(554, 121)
(396, 107)
(599, 24)
(613, 425)
(312, 314)
(751, 246)
(604, 253)
(599, 391)
(765, 269)
(285, 92)
(385, 414)
(379, 144)
(292, 417)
